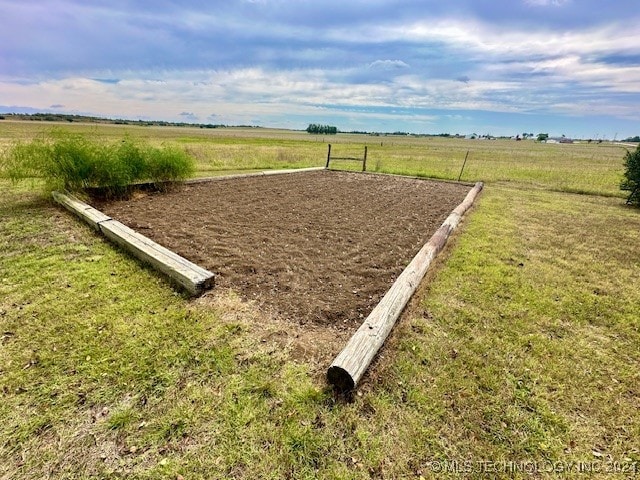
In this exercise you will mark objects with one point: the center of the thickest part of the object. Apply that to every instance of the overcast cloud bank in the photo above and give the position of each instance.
(501, 67)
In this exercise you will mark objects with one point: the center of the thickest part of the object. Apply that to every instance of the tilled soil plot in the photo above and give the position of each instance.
(319, 247)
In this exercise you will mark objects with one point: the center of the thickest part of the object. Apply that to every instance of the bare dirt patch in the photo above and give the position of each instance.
(319, 247)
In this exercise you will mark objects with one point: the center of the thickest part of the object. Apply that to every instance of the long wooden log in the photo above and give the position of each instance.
(254, 174)
(181, 271)
(350, 365)
(188, 275)
(86, 212)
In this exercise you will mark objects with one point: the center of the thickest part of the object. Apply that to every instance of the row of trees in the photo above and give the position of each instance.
(322, 129)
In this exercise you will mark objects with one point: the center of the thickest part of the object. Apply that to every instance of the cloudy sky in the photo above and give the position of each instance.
(460, 66)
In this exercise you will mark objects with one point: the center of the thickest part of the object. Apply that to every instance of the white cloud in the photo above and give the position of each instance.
(547, 3)
(188, 116)
(388, 65)
(513, 70)
(264, 92)
(477, 37)
(255, 89)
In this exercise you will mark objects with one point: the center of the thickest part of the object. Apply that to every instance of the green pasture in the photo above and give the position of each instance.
(521, 351)
(581, 168)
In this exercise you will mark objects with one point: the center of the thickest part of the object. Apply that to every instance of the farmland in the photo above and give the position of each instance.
(580, 168)
(521, 346)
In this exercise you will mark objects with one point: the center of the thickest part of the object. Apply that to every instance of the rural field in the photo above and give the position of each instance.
(518, 357)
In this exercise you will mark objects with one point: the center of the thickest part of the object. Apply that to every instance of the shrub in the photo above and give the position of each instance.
(631, 180)
(132, 154)
(61, 161)
(74, 162)
(168, 164)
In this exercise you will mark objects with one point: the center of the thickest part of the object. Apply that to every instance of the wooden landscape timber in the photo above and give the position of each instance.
(351, 363)
(254, 174)
(181, 271)
(86, 212)
(411, 177)
(188, 275)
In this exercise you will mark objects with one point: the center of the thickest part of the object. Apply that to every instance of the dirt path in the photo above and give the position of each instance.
(318, 247)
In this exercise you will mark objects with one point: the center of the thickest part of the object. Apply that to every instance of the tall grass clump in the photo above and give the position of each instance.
(75, 162)
(168, 164)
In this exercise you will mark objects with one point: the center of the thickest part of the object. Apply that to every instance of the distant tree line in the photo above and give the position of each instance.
(61, 117)
(322, 129)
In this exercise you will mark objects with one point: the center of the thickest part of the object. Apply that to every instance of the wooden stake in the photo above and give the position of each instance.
(364, 160)
(463, 164)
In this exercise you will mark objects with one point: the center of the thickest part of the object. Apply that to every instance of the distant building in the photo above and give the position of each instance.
(558, 140)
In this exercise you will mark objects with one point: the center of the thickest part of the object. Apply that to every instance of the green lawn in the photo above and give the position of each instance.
(523, 345)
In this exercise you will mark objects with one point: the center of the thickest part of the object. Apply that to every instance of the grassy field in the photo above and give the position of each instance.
(579, 168)
(521, 351)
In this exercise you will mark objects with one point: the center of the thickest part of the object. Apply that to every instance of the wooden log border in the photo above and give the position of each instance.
(181, 271)
(253, 174)
(189, 276)
(410, 177)
(352, 362)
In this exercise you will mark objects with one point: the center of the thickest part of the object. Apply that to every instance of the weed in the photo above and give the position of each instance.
(121, 419)
(73, 162)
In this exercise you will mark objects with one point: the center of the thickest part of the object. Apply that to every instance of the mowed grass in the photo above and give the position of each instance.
(523, 346)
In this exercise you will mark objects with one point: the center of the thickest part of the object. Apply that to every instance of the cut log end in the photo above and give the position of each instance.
(340, 379)
(204, 285)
